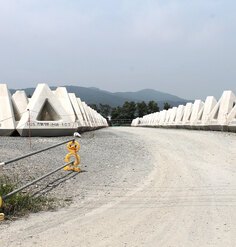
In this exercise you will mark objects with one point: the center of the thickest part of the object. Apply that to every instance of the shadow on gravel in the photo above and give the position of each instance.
(55, 183)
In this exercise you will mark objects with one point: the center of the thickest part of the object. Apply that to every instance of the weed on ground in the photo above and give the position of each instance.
(22, 203)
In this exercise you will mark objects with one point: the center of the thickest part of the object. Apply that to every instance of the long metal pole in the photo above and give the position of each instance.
(33, 153)
(35, 181)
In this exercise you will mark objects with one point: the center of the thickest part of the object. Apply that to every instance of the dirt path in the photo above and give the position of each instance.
(187, 199)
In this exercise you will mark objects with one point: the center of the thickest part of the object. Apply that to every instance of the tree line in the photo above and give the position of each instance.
(128, 111)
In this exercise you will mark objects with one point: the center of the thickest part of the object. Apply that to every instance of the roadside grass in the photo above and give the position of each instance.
(21, 203)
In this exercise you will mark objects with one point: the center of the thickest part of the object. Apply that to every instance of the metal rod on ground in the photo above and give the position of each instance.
(33, 153)
(35, 181)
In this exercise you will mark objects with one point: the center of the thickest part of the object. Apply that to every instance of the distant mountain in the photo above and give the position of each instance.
(151, 94)
(94, 95)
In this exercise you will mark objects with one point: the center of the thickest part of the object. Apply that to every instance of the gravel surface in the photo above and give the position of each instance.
(144, 187)
(104, 158)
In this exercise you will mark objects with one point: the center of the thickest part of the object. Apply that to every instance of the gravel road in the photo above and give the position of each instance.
(143, 187)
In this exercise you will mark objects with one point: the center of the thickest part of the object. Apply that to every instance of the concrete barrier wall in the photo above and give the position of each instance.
(208, 115)
(46, 113)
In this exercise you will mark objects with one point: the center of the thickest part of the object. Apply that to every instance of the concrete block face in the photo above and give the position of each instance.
(219, 114)
(135, 122)
(168, 115)
(86, 112)
(151, 119)
(162, 117)
(90, 113)
(63, 96)
(47, 113)
(179, 115)
(197, 108)
(209, 105)
(46, 116)
(173, 116)
(19, 102)
(7, 118)
(85, 118)
(77, 110)
(156, 118)
(187, 114)
(231, 119)
(211, 115)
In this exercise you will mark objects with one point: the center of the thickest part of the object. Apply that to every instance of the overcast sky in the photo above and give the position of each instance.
(183, 47)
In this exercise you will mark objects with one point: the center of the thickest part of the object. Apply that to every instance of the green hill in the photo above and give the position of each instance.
(96, 96)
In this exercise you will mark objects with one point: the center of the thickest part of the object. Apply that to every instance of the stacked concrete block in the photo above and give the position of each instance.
(208, 115)
(231, 119)
(204, 116)
(179, 116)
(85, 119)
(187, 115)
(77, 111)
(197, 110)
(167, 117)
(47, 113)
(219, 114)
(156, 118)
(173, 116)
(19, 102)
(162, 117)
(87, 115)
(63, 96)
(7, 116)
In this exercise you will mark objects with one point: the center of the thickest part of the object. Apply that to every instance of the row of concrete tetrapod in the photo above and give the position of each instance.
(46, 113)
(208, 115)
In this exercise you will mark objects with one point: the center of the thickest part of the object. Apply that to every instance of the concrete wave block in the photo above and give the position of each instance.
(19, 102)
(150, 119)
(173, 116)
(135, 122)
(85, 107)
(218, 116)
(77, 111)
(85, 118)
(179, 115)
(7, 118)
(63, 96)
(162, 117)
(187, 114)
(204, 114)
(231, 119)
(198, 107)
(91, 116)
(46, 116)
(167, 118)
(156, 118)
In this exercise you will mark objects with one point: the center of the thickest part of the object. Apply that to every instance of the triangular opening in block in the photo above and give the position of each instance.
(47, 113)
(16, 112)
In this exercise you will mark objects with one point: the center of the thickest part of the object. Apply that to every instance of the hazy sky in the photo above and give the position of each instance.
(183, 47)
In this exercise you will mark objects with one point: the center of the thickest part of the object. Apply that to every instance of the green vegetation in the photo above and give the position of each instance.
(167, 106)
(123, 115)
(21, 203)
